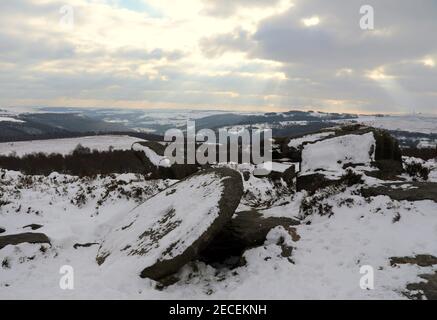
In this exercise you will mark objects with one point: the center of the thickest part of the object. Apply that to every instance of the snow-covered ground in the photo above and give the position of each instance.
(327, 255)
(66, 146)
(411, 123)
(9, 119)
(325, 261)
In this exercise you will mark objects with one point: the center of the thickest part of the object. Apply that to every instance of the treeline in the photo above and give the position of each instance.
(85, 162)
(82, 162)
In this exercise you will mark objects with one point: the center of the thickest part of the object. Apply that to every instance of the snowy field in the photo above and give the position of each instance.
(326, 260)
(66, 146)
(413, 123)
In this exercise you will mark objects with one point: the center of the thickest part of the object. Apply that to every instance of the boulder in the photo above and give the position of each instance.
(28, 237)
(246, 230)
(2, 230)
(160, 236)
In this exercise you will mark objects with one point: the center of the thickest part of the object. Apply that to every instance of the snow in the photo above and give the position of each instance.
(427, 143)
(332, 154)
(410, 123)
(326, 260)
(66, 146)
(294, 143)
(9, 119)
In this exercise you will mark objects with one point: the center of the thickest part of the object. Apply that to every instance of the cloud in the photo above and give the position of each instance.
(238, 54)
(225, 8)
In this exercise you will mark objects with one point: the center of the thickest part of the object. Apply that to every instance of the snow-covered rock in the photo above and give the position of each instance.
(168, 230)
(332, 154)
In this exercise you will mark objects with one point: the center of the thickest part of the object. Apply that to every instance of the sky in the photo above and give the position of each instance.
(248, 55)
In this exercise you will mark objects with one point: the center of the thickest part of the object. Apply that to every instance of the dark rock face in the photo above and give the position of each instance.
(387, 147)
(28, 237)
(2, 230)
(33, 226)
(246, 230)
(388, 155)
(159, 233)
(85, 245)
(314, 182)
(417, 192)
(181, 171)
(288, 176)
(422, 260)
(428, 288)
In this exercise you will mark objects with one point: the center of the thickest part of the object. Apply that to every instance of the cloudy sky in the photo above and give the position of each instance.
(258, 55)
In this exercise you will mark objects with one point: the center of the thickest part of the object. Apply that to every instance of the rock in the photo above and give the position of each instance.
(28, 237)
(181, 171)
(416, 191)
(422, 260)
(420, 289)
(288, 176)
(314, 182)
(160, 236)
(85, 245)
(33, 226)
(246, 230)
(246, 175)
(388, 155)
(387, 148)
(2, 230)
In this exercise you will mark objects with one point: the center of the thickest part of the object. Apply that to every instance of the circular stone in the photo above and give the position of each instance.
(160, 236)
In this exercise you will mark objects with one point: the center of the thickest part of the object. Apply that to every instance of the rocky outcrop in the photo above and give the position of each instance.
(246, 230)
(171, 228)
(28, 237)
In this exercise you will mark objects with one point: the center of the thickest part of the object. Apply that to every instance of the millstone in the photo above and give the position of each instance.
(160, 236)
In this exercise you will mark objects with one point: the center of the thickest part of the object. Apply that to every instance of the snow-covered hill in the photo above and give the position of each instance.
(338, 231)
(66, 146)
